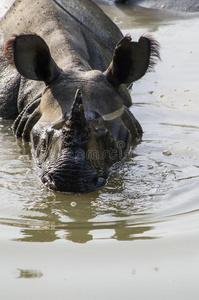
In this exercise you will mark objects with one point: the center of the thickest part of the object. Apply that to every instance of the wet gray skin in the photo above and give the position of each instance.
(71, 101)
(177, 5)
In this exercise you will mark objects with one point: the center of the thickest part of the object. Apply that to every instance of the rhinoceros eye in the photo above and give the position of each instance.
(91, 115)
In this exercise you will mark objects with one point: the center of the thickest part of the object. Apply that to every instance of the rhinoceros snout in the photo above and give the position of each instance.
(71, 182)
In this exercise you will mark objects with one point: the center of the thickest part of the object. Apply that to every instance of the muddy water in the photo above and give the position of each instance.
(138, 237)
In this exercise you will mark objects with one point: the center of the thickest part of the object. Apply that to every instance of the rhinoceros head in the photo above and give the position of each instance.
(79, 126)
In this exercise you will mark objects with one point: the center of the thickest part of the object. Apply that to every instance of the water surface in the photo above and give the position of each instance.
(142, 228)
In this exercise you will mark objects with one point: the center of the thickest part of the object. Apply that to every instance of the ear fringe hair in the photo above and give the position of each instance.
(154, 52)
(8, 50)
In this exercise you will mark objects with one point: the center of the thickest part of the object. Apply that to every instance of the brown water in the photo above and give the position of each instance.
(138, 237)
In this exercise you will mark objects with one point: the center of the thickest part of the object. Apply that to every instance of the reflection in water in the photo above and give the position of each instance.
(84, 232)
(50, 221)
(132, 233)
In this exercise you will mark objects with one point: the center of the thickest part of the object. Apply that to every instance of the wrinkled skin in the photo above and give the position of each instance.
(68, 92)
(172, 5)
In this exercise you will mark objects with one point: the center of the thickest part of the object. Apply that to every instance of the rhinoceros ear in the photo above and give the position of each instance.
(32, 57)
(131, 60)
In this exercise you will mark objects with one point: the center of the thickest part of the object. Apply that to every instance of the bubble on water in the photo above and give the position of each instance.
(73, 204)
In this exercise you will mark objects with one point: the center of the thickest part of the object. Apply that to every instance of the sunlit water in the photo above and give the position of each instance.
(152, 194)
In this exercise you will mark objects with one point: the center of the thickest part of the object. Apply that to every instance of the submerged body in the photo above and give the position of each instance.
(177, 5)
(71, 101)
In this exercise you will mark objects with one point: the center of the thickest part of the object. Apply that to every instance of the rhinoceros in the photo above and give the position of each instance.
(68, 89)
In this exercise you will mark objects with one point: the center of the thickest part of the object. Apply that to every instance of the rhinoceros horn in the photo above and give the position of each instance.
(76, 128)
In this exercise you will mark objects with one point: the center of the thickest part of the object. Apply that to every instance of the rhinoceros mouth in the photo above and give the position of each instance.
(73, 181)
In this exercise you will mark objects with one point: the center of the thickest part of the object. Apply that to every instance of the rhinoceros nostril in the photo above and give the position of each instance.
(99, 182)
(48, 181)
